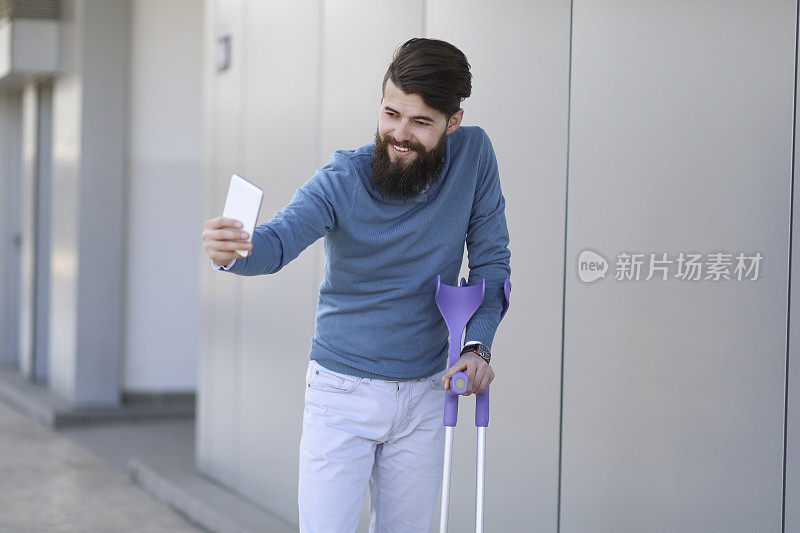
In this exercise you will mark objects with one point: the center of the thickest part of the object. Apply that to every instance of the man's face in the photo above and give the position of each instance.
(405, 121)
(409, 144)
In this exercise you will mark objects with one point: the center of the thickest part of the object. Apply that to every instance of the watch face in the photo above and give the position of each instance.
(483, 351)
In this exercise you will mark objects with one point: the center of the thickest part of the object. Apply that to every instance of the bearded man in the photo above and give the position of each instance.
(394, 214)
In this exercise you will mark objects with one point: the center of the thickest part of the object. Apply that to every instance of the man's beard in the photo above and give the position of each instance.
(404, 180)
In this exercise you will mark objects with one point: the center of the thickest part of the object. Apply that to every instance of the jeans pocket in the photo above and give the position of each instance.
(436, 380)
(329, 381)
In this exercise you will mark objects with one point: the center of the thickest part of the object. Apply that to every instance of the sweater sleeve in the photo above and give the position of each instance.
(487, 246)
(310, 214)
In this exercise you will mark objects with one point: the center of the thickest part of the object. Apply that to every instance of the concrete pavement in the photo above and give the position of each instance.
(148, 441)
(49, 483)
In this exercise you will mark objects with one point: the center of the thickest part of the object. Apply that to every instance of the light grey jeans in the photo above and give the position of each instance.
(359, 431)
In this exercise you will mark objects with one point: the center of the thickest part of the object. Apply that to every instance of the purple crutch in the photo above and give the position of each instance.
(457, 305)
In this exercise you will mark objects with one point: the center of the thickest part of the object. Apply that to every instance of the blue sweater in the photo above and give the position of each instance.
(376, 314)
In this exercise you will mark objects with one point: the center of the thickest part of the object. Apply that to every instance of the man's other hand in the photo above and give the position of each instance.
(478, 371)
(222, 237)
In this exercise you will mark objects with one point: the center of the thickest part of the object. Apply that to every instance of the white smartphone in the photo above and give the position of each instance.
(243, 204)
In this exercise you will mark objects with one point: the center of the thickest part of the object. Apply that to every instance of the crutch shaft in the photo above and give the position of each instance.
(448, 464)
(479, 478)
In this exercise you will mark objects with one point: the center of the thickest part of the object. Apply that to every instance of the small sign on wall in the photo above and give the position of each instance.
(223, 53)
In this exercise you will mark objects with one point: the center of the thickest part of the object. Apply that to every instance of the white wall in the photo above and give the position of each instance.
(67, 122)
(88, 209)
(10, 222)
(28, 208)
(35, 206)
(164, 195)
(674, 390)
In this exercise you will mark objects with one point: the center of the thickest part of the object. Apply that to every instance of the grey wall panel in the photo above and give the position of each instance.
(277, 320)
(28, 180)
(360, 38)
(519, 53)
(205, 437)
(44, 203)
(35, 217)
(164, 195)
(101, 212)
(87, 221)
(219, 388)
(66, 168)
(679, 142)
(10, 223)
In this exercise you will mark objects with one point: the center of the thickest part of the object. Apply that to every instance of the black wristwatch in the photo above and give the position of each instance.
(481, 349)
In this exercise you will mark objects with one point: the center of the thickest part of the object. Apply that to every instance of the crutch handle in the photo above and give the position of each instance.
(459, 382)
(458, 385)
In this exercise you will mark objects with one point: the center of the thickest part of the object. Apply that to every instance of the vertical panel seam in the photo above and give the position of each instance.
(215, 103)
(206, 386)
(124, 336)
(320, 69)
(564, 278)
(238, 282)
(35, 227)
(789, 277)
(316, 264)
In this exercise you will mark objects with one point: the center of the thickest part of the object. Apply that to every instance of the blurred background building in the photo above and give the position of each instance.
(627, 129)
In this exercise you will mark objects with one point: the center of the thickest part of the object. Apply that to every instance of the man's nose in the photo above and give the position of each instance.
(402, 133)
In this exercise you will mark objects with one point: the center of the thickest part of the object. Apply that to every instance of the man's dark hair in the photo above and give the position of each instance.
(435, 70)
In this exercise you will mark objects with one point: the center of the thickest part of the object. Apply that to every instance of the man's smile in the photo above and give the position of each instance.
(400, 151)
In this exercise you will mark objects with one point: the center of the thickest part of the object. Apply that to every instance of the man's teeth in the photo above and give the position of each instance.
(399, 149)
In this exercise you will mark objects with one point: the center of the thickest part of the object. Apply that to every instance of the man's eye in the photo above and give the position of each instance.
(423, 123)
(390, 113)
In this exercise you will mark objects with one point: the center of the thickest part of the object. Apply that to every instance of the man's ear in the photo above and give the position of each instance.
(455, 121)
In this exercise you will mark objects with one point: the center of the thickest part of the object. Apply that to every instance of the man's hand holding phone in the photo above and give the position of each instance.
(222, 236)
(228, 237)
